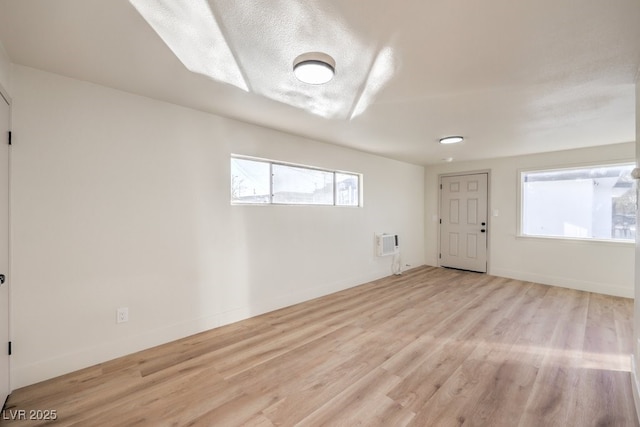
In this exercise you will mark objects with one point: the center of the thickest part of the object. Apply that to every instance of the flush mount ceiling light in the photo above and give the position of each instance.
(314, 68)
(451, 140)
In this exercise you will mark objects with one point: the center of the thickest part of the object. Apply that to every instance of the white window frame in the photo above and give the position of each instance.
(271, 163)
(520, 198)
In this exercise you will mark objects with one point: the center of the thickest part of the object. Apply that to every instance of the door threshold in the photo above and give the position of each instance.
(462, 269)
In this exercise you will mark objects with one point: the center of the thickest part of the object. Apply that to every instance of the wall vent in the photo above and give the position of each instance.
(387, 244)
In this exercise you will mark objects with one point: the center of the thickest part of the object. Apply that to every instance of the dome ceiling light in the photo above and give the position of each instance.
(451, 140)
(314, 68)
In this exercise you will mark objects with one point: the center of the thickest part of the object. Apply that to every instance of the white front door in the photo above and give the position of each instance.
(463, 219)
(4, 249)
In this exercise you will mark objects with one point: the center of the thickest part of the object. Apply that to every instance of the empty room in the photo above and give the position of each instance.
(319, 213)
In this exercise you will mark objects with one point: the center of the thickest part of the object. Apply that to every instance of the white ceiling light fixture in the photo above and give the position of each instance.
(314, 68)
(451, 140)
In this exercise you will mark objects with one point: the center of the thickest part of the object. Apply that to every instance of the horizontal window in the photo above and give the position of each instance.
(256, 181)
(597, 202)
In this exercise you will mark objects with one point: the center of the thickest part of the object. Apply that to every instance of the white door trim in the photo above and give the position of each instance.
(5, 99)
(489, 210)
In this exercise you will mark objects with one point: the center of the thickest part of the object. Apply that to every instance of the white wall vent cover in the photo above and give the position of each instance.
(387, 244)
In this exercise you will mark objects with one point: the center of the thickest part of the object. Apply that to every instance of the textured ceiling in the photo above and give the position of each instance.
(512, 77)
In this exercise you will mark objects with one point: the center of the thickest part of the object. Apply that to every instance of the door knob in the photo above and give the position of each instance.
(2, 278)
(483, 230)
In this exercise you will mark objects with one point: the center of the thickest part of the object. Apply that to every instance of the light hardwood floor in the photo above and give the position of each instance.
(433, 347)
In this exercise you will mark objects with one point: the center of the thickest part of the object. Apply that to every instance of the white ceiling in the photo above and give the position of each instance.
(513, 77)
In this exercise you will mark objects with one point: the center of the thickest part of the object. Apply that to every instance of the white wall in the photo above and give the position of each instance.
(5, 70)
(636, 318)
(592, 266)
(123, 201)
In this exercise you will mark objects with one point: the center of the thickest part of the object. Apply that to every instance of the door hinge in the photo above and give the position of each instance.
(441, 186)
(440, 220)
(440, 256)
(9, 348)
(9, 137)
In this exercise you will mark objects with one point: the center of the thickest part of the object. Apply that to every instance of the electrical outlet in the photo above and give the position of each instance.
(122, 315)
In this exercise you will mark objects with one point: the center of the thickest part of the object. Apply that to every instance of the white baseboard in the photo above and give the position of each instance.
(42, 370)
(24, 375)
(635, 386)
(563, 282)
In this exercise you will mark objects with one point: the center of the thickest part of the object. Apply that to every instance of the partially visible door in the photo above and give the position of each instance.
(4, 249)
(463, 216)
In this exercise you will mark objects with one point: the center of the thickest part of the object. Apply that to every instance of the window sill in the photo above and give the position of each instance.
(576, 240)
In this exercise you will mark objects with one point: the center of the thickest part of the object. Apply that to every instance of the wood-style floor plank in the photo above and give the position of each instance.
(433, 347)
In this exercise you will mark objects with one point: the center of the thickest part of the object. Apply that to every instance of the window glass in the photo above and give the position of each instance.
(596, 202)
(259, 181)
(250, 181)
(347, 189)
(296, 185)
